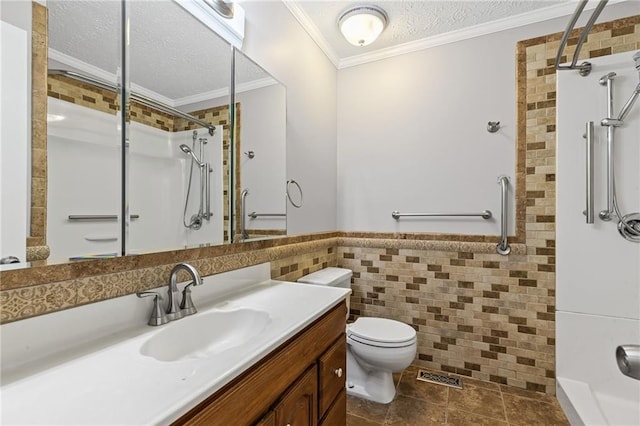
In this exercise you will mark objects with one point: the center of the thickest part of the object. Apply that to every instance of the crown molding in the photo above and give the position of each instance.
(313, 31)
(213, 94)
(539, 15)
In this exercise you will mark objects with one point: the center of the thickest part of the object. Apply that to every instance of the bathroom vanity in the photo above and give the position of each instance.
(257, 352)
(302, 382)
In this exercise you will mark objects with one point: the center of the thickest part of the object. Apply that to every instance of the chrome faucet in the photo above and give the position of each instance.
(175, 311)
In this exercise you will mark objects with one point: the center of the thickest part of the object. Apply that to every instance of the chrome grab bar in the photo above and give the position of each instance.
(243, 217)
(84, 217)
(207, 189)
(589, 136)
(585, 67)
(503, 247)
(254, 215)
(486, 214)
(136, 97)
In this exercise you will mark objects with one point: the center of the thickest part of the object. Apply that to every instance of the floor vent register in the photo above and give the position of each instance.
(440, 379)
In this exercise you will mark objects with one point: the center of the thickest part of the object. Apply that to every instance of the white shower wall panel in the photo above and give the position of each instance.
(597, 271)
(155, 190)
(83, 153)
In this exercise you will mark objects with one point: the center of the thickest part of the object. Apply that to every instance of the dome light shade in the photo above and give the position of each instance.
(362, 25)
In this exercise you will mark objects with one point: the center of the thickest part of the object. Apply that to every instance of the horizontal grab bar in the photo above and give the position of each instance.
(81, 217)
(254, 215)
(486, 214)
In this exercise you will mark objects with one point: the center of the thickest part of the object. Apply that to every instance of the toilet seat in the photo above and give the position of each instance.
(381, 332)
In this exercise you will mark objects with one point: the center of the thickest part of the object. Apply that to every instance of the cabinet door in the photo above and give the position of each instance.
(268, 420)
(333, 373)
(337, 414)
(298, 407)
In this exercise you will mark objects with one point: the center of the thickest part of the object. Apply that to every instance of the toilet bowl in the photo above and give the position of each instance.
(376, 347)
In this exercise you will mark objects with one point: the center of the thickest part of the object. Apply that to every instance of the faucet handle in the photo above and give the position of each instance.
(158, 317)
(187, 306)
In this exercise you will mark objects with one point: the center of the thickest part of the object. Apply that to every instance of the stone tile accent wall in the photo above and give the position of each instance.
(39, 47)
(477, 313)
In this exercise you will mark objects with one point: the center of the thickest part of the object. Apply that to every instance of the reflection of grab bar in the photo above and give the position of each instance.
(585, 67)
(289, 182)
(486, 214)
(84, 217)
(503, 247)
(254, 215)
(243, 216)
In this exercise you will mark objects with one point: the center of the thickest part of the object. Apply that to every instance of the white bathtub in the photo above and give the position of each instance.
(590, 387)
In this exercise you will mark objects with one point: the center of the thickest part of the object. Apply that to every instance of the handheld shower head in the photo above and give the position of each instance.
(184, 148)
(636, 59)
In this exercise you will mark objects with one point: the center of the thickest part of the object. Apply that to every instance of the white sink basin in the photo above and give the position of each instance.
(206, 334)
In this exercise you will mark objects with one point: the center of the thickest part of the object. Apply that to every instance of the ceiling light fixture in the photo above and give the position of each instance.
(222, 7)
(361, 25)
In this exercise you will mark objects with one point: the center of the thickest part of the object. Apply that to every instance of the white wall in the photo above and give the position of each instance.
(14, 148)
(412, 133)
(264, 132)
(275, 40)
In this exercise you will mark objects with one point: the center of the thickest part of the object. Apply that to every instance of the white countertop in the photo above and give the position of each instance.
(106, 380)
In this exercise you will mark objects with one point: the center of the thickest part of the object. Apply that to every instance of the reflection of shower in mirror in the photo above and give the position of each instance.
(204, 211)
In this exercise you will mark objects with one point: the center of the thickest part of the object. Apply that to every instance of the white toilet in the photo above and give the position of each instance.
(376, 347)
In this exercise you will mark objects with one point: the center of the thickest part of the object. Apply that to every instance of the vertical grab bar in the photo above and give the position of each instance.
(503, 247)
(243, 217)
(207, 188)
(589, 136)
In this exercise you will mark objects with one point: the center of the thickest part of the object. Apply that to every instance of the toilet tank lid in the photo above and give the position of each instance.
(327, 276)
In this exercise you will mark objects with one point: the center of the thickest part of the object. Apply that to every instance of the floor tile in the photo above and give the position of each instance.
(530, 412)
(463, 418)
(550, 399)
(430, 392)
(484, 402)
(366, 409)
(409, 411)
(359, 421)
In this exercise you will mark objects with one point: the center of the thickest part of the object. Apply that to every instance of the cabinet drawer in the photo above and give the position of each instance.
(332, 373)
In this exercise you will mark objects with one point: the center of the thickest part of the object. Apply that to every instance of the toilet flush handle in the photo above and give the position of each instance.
(338, 372)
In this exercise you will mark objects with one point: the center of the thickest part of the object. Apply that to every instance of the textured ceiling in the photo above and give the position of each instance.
(171, 52)
(413, 20)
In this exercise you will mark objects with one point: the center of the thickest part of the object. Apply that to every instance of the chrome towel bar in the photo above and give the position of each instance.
(85, 217)
(254, 215)
(486, 214)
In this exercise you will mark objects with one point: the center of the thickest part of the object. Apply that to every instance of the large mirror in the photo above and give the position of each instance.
(260, 141)
(179, 190)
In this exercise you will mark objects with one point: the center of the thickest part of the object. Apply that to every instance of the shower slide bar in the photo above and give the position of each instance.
(136, 97)
(254, 215)
(486, 214)
(585, 67)
(87, 217)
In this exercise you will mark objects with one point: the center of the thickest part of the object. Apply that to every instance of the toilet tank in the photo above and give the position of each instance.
(332, 277)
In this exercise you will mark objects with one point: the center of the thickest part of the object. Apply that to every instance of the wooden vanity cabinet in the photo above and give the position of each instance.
(301, 383)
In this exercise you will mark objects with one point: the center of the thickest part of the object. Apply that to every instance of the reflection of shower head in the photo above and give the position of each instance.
(184, 148)
(636, 58)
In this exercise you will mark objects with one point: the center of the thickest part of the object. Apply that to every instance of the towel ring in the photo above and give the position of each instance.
(289, 195)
